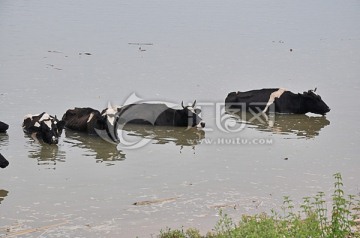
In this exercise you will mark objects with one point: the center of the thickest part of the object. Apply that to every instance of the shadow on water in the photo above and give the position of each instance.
(179, 136)
(3, 194)
(302, 126)
(94, 146)
(45, 154)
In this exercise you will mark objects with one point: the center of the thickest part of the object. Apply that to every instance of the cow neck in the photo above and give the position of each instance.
(174, 117)
(302, 105)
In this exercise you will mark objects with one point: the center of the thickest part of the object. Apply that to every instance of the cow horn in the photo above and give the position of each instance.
(315, 89)
(193, 106)
(182, 104)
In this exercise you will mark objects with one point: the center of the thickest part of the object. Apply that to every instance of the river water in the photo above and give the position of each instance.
(61, 54)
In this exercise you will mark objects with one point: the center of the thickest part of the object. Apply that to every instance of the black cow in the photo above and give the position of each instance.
(3, 162)
(44, 127)
(281, 100)
(3, 127)
(160, 115)
(92, 121)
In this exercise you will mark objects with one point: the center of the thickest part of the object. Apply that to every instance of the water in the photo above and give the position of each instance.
(58, 55)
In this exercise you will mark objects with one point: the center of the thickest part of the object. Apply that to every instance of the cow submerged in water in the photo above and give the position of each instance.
(161, 115)
(91, 121)
(3, 162)
(282, 100)
(44, 127)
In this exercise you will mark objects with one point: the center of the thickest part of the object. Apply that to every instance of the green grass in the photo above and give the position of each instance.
(313, 219)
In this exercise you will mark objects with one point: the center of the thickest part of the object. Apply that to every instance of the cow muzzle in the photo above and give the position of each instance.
(4, 164)
(326, 111)
(54, 140)
(201, 124)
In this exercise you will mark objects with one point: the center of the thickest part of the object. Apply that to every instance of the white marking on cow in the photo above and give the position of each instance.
(45, 117)
(48, 123)
(191, 109)
(273, 96)
(28, 116)
(201, 124)
(110, 114)
(90, 117)
(37, 124)
(33, 135)
(111, 119)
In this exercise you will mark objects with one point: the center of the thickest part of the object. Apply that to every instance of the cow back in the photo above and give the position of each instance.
(257, 98)
(144, 113)
(82, 119)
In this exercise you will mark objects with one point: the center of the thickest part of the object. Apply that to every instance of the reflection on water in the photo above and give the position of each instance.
(94, 146)
(45, 154)
(3, 194)
(4, 139)
(302, 126)
(180, 136)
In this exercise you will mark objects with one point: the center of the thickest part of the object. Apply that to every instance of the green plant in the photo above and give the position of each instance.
(341, 219)
(224, 226)
(311, 220)
(189, 233)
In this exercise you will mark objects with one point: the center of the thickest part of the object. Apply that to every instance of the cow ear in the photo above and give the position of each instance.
(197, 111)
(193, 106)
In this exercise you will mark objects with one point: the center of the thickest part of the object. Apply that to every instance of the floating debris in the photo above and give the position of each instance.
(54, 51)
(135, 43)
(53, 66)
(221, 206)
(155, 201)
(32, 230)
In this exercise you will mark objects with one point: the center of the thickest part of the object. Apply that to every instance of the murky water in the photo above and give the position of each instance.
(58, 55)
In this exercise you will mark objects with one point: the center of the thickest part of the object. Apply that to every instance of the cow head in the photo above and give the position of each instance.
(190, 116)
(110, 123)
(232, 98)
(314, 103)
(48, 128)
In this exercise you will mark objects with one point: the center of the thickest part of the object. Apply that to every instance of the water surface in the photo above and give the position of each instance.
(58, 55)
